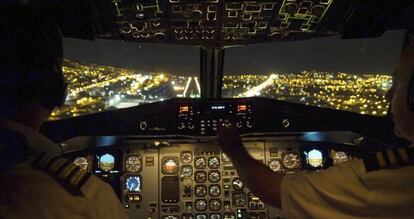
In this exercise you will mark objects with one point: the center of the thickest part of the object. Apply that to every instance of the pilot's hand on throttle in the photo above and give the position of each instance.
(228, 138)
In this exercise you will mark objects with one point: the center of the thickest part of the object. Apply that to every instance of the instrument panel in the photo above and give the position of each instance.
(195, 179)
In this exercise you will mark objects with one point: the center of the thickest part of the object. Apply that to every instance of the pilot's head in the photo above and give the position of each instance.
(31, 79)
(402, 114)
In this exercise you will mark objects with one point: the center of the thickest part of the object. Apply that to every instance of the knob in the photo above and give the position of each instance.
(143, 125)
(239, 124)
(286, 123)
(181, 126)
(191, 126)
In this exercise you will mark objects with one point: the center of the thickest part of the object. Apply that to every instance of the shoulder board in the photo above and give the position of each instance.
(67, 174)
(389, 159)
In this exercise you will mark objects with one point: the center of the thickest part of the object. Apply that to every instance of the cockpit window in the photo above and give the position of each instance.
(351, 75)
(106, 75)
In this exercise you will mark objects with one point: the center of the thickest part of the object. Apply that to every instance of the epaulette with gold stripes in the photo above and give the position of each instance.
(67, 174)
(389, 159)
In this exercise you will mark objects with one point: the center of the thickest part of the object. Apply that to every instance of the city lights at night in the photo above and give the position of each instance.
(96, 88)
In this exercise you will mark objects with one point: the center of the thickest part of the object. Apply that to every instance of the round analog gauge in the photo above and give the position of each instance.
(213, 162)
(186, 171)
(200, 163)
(237, 184)
(229, 215)
(81, 162)
(224, 157)
(214, 190)
(201, 216)
(133, 164)
(200, 191)
(200, 177)
(215, 204)
(214, 176)
(170, 165)
(186, 157)
(215, 216)
(133, 183)
(340, 157)
(201, 205)
(275, 165)
(291, 161)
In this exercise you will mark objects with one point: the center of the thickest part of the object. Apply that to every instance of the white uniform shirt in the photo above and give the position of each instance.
(348, 191)
(27, 192)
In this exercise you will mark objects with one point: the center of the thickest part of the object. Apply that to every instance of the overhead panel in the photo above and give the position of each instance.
(217, 22)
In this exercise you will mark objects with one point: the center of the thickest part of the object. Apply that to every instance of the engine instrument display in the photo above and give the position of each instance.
(200, 163)
(186, 171)
(213, 162)
(214, 176)
(133, 183)
(186, 156)
(81, 162)
(291, 160)
(133, 164)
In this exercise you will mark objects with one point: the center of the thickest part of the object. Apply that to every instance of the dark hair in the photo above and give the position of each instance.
(30, 60)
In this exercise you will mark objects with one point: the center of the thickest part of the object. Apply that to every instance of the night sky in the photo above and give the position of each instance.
(376, 55)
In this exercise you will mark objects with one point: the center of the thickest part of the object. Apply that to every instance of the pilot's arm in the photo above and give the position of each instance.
(261, 180)
(342, 191)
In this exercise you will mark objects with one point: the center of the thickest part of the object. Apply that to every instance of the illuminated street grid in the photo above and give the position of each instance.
(95, 88)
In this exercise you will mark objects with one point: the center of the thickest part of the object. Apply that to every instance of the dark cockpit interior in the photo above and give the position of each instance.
(152, 135)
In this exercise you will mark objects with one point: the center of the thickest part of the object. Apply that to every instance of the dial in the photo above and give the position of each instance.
(200, 190)
(201, 216)
(81, 162)
(200, 163)
(215, 204)
(340, 157)
(201, 205)
(291, 160)
(200, 177)
(186, 157)
(215, 216)
(225, 158)
(214, 190)
(237, 184)
(214, 176)
(133, 164)
(170, 165)
(186, 171)
(133, 183)
(275, 165)
(213, 162)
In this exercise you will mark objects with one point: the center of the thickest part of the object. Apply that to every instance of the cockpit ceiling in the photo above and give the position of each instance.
(224, 22)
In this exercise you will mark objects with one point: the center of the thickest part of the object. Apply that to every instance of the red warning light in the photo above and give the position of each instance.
(241, 108)
(183, 109)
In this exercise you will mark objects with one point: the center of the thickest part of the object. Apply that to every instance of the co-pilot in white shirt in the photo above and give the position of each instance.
(27, 192)
(348, 191)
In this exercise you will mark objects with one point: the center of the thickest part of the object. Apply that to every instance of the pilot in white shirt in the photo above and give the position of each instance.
(380, 188)
(35, 182)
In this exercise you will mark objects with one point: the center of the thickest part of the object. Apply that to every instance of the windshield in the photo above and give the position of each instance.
(107, 75)
(352, 75)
